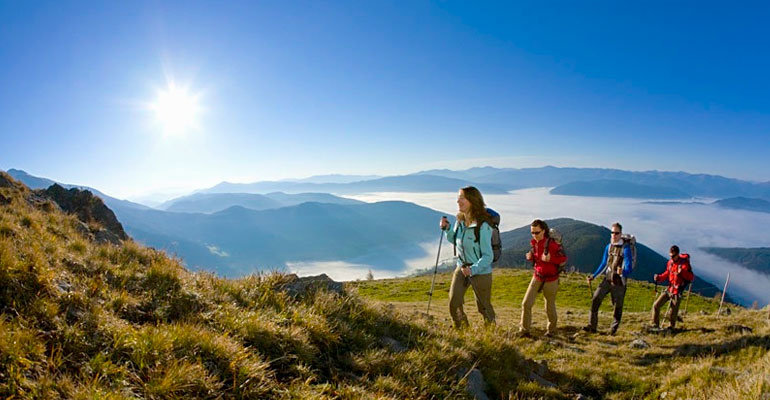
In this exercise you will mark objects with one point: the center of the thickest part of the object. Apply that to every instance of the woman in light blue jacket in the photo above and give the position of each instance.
(474, 261)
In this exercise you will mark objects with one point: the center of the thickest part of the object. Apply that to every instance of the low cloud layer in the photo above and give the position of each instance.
(690, 226)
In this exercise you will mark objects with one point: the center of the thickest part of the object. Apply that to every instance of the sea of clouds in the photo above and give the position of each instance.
(689, 225)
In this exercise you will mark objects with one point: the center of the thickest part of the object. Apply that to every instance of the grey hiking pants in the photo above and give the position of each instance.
(617, 293)
(482, 290)
(662, 299)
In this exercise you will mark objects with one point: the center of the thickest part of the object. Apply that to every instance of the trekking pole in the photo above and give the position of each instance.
(687, 302)
(719, 312)
(654, 295)
(435, 270)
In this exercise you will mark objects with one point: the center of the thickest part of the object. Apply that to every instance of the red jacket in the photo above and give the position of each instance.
(678, 273)
(547, 271)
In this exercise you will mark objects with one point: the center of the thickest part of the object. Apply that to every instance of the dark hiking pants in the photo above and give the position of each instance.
(618, 293)
(662, 300)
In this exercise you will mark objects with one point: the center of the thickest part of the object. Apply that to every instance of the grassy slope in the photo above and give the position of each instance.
(80, 320)
(706, 360)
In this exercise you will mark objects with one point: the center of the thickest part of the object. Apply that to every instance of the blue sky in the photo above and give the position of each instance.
(292, 89)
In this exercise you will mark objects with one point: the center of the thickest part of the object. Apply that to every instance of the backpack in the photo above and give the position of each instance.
(686, 256)
(630, 240)
(555, 235)
(494, 223)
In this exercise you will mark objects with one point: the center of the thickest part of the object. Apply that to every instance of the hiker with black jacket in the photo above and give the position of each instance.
(546, 255)
(679, 274)
(472, 236)
(617, 266)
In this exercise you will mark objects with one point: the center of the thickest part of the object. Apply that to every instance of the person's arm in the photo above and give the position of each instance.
(603, 264)
(628, 259)
(662, 277)
(484, 264)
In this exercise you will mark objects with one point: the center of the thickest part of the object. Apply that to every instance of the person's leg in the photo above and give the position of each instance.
(456, 296)
(675, 302)
(619, 294)
(549, 292)
(526, 305)
(599, 294)
(659, 302)
(482, 290)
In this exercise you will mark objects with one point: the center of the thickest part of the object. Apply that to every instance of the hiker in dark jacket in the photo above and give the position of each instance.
(616, 266)
(545, 278)
(474, 262)
(679, 274)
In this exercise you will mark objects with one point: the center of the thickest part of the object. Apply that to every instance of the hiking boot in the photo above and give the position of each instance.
(589, 329)
(549, 335)
(613, 331)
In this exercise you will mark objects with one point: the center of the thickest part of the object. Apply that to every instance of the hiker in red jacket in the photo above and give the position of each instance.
(545, 278)
(679, 274)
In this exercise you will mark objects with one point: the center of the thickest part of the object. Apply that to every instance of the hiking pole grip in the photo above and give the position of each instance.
(435, 270)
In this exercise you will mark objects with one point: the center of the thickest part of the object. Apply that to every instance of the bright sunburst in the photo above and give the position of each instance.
(176, 110)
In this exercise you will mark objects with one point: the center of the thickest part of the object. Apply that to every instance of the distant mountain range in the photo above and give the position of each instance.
(743, 203)
(405, 183)
(584, 244)
(701, 185)
(617, 188)
(238, 241)
(579, 181)
(734, 203)
(213, 202)
(757, 258)
(334, 178)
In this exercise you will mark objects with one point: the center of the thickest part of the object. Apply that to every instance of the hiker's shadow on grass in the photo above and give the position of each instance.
(712, 349)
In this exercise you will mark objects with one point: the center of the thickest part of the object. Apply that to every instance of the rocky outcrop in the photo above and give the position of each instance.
(6, 181)
(100, 221)
(297, 287)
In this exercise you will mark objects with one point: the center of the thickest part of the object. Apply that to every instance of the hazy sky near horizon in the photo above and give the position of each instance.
(293, 89)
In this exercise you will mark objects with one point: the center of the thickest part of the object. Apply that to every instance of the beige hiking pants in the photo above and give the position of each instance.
(549, 292)
(482, 290)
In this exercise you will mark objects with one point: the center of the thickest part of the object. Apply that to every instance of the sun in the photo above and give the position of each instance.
(176, 110)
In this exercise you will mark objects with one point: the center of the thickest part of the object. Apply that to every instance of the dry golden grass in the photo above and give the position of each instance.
(708, 357)
(83, 321)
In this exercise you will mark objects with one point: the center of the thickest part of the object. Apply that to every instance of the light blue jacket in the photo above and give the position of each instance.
(479, 254)
(627, 258)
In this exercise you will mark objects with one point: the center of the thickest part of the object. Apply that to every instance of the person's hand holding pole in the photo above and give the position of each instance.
(443, 223)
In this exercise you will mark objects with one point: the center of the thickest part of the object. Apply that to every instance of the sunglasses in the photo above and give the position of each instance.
(616, 233)
(537, 232)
